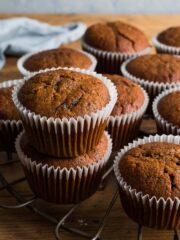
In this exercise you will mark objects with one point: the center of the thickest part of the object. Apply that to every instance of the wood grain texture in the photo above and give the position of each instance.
(23, 224)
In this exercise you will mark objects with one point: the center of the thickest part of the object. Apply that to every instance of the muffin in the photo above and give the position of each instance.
(59, 57)
(168, 41)
(65, 111)
(155, 72)
(63, 181)
(166, 109)
(8, 110)
(126, 116)
(148, 175)
(112, 43)
(10, 123)
(153, 168)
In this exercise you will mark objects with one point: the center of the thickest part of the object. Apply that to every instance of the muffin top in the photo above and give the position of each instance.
(130, 95)
(161, 68)
(170, 36)
(153, 168)
(8, 110)
(116, 37)
(169, 108)
(63, 93)
(92, 156)
(59, 57)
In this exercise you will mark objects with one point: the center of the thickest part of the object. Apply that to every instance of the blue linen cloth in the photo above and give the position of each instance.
(22, 35)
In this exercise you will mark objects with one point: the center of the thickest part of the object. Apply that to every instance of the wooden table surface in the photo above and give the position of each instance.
(23, 224)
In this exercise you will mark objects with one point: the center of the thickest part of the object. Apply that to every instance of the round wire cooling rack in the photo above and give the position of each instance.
(60, 224)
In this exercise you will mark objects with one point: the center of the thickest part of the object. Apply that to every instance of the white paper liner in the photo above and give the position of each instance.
(26, 72)
(163, 125)
(163, 48)
(125, 127)
(149, 211)
(9, 129)
(153, 88)
(110, 62)
(63, 186)
(66, 137)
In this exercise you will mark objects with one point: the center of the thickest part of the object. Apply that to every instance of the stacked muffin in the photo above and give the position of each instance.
(64, 148)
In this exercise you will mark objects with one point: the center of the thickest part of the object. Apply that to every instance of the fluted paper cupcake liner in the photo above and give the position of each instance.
(66, 137)
(152, 88)
(163, 125)
(26, 72)
(9, 129)
(110, 62)
(62, 185)
(125, 128)
(148, 211)
(163, 48)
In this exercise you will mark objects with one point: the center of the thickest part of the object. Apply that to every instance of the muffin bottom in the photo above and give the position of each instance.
(63, 185)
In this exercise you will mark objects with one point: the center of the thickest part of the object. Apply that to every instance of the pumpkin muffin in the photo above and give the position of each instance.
(169, 108)
(8, 111)
(59, 57)
(104, 40)
(158, 68)
(155, 72)
(166, 110)
(63, 181)
(132, 101)
(130, 95)
(63, 93)
(168, 41)
(10, 123)
(153, 168)
(116, 37)
(148, 175)
(65, 111)
(170, 37)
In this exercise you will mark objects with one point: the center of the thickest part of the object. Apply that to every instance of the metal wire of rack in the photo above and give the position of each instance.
(59, 224)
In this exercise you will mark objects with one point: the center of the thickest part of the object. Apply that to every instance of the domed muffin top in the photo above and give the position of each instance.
(161, 68)
(169, 108)
(170, 37)
(116, 36)
(130, 95)
(59, 57)
(153, 168)
(63, 93)
(8, 111)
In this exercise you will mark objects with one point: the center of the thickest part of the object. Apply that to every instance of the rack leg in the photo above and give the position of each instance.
(104, 220)
(62, 221)
(176, 235)
(104, 177)
(139, 232)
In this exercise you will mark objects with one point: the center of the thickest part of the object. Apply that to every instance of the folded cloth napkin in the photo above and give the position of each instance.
(22, 35)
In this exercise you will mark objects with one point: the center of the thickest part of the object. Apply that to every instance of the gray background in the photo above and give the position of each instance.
(72, 6)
